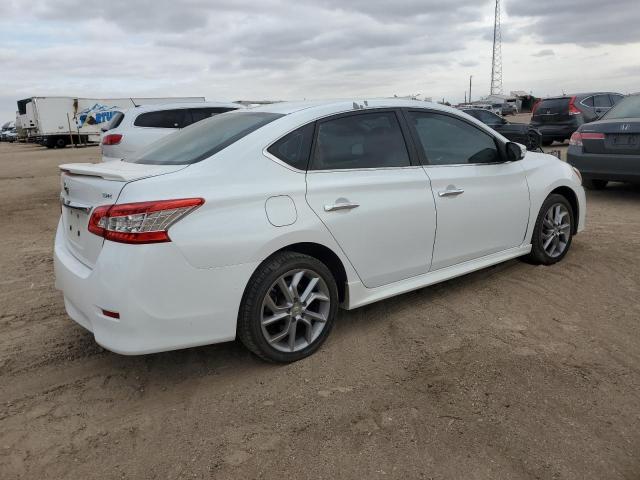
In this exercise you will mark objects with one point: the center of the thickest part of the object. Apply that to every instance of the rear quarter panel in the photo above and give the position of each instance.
(232, 227)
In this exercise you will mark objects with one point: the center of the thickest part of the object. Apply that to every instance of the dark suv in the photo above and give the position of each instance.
(558, 117)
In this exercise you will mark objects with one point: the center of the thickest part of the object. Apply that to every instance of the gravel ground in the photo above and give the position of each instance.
(513, 372)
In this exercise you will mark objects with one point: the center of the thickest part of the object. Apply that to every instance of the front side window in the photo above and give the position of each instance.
(163, 119)
(366, 140)
(447, 140)
(295, 147)
(203, 139)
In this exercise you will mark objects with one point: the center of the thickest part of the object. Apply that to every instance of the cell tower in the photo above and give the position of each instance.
(496, 62)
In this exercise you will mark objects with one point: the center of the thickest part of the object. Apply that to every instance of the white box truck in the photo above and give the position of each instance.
(60, 121)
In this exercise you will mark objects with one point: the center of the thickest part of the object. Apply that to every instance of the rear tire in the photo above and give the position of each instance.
(288, 308)
(553, 231)
(594, 184)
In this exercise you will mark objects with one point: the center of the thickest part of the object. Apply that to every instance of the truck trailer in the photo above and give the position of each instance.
(61, 121)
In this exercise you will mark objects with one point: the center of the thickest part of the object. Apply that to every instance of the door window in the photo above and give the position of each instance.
(447, 140)
(366, 140)
(602, 101)
(163, 119)
(293, 149)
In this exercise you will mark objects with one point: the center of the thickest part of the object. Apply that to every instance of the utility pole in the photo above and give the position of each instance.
(470, 82)
(496, 61)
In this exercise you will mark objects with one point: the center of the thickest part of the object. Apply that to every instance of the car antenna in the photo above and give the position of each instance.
(134, 103)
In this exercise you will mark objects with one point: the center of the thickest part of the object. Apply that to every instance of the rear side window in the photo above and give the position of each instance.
(198, 114)
(450, 141)
(295, 147)
(203, 139)
(116, 120)
(163, 119)
(616, 98)
(587, 102)
(366, 140)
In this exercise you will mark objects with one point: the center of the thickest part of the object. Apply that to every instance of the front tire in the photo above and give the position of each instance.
(288, 308)
(553, 231)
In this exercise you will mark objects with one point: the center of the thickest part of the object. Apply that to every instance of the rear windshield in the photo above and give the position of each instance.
(553, 104)
(628, 107)
(203, 139)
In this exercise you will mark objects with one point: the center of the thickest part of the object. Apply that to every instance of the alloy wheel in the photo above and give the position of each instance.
(295, 310)
(556, 230)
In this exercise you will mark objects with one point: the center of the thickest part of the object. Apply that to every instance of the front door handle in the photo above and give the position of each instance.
(451, 192)
(340, 206)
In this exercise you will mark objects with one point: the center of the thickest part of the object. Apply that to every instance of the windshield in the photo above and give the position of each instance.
(628, 107)
(203, 139)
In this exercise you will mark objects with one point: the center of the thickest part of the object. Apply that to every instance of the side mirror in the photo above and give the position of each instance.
(515, 151)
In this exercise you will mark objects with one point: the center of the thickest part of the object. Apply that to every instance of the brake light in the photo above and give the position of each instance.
(112, 139)
(573, 110)
(535, 106)
(142, 222)
(577, 137)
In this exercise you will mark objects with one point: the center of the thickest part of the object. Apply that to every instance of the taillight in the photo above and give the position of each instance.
(573, 110)
(112, 139)
(577, 137)
(535, 107)
(142, 222)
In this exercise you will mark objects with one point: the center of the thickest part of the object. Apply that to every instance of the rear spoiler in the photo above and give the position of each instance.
(118, 170)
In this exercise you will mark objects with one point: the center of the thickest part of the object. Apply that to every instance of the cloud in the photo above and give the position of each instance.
(581, 22)
(285, 49)
(547, 52)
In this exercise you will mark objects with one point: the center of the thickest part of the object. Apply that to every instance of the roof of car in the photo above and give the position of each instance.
(338, 105)
(171, 106)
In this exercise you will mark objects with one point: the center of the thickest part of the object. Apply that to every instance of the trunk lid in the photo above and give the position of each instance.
(621, 136)
(85, 186)
(552, 110)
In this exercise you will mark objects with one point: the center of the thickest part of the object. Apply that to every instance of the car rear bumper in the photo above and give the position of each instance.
(555, 131)
(615, 167)
(163, 302)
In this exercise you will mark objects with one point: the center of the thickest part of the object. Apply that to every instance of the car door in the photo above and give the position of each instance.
(482, 202)
(374, 200)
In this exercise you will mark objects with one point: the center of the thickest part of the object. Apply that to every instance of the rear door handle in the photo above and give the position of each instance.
(451, 192)
(340, 206)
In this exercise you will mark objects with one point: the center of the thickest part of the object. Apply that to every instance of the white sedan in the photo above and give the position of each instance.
(258, 224)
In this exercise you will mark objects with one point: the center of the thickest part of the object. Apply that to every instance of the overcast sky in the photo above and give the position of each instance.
(276, 49)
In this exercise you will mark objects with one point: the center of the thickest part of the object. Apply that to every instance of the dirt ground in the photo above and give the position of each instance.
(513, 372)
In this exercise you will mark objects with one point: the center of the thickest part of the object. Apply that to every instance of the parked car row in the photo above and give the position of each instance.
(558, 117)
(516, 132)
(260, 223)
(8, 132)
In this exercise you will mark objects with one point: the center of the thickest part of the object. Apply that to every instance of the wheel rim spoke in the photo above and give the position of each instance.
(286, 291)
(276, 317)
(292, 336)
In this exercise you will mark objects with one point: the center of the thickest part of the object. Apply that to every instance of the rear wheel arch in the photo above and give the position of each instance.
(572, 198)
(324, 254)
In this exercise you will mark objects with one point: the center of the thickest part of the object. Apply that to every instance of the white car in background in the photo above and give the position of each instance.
(260, 223)
(130, 131)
